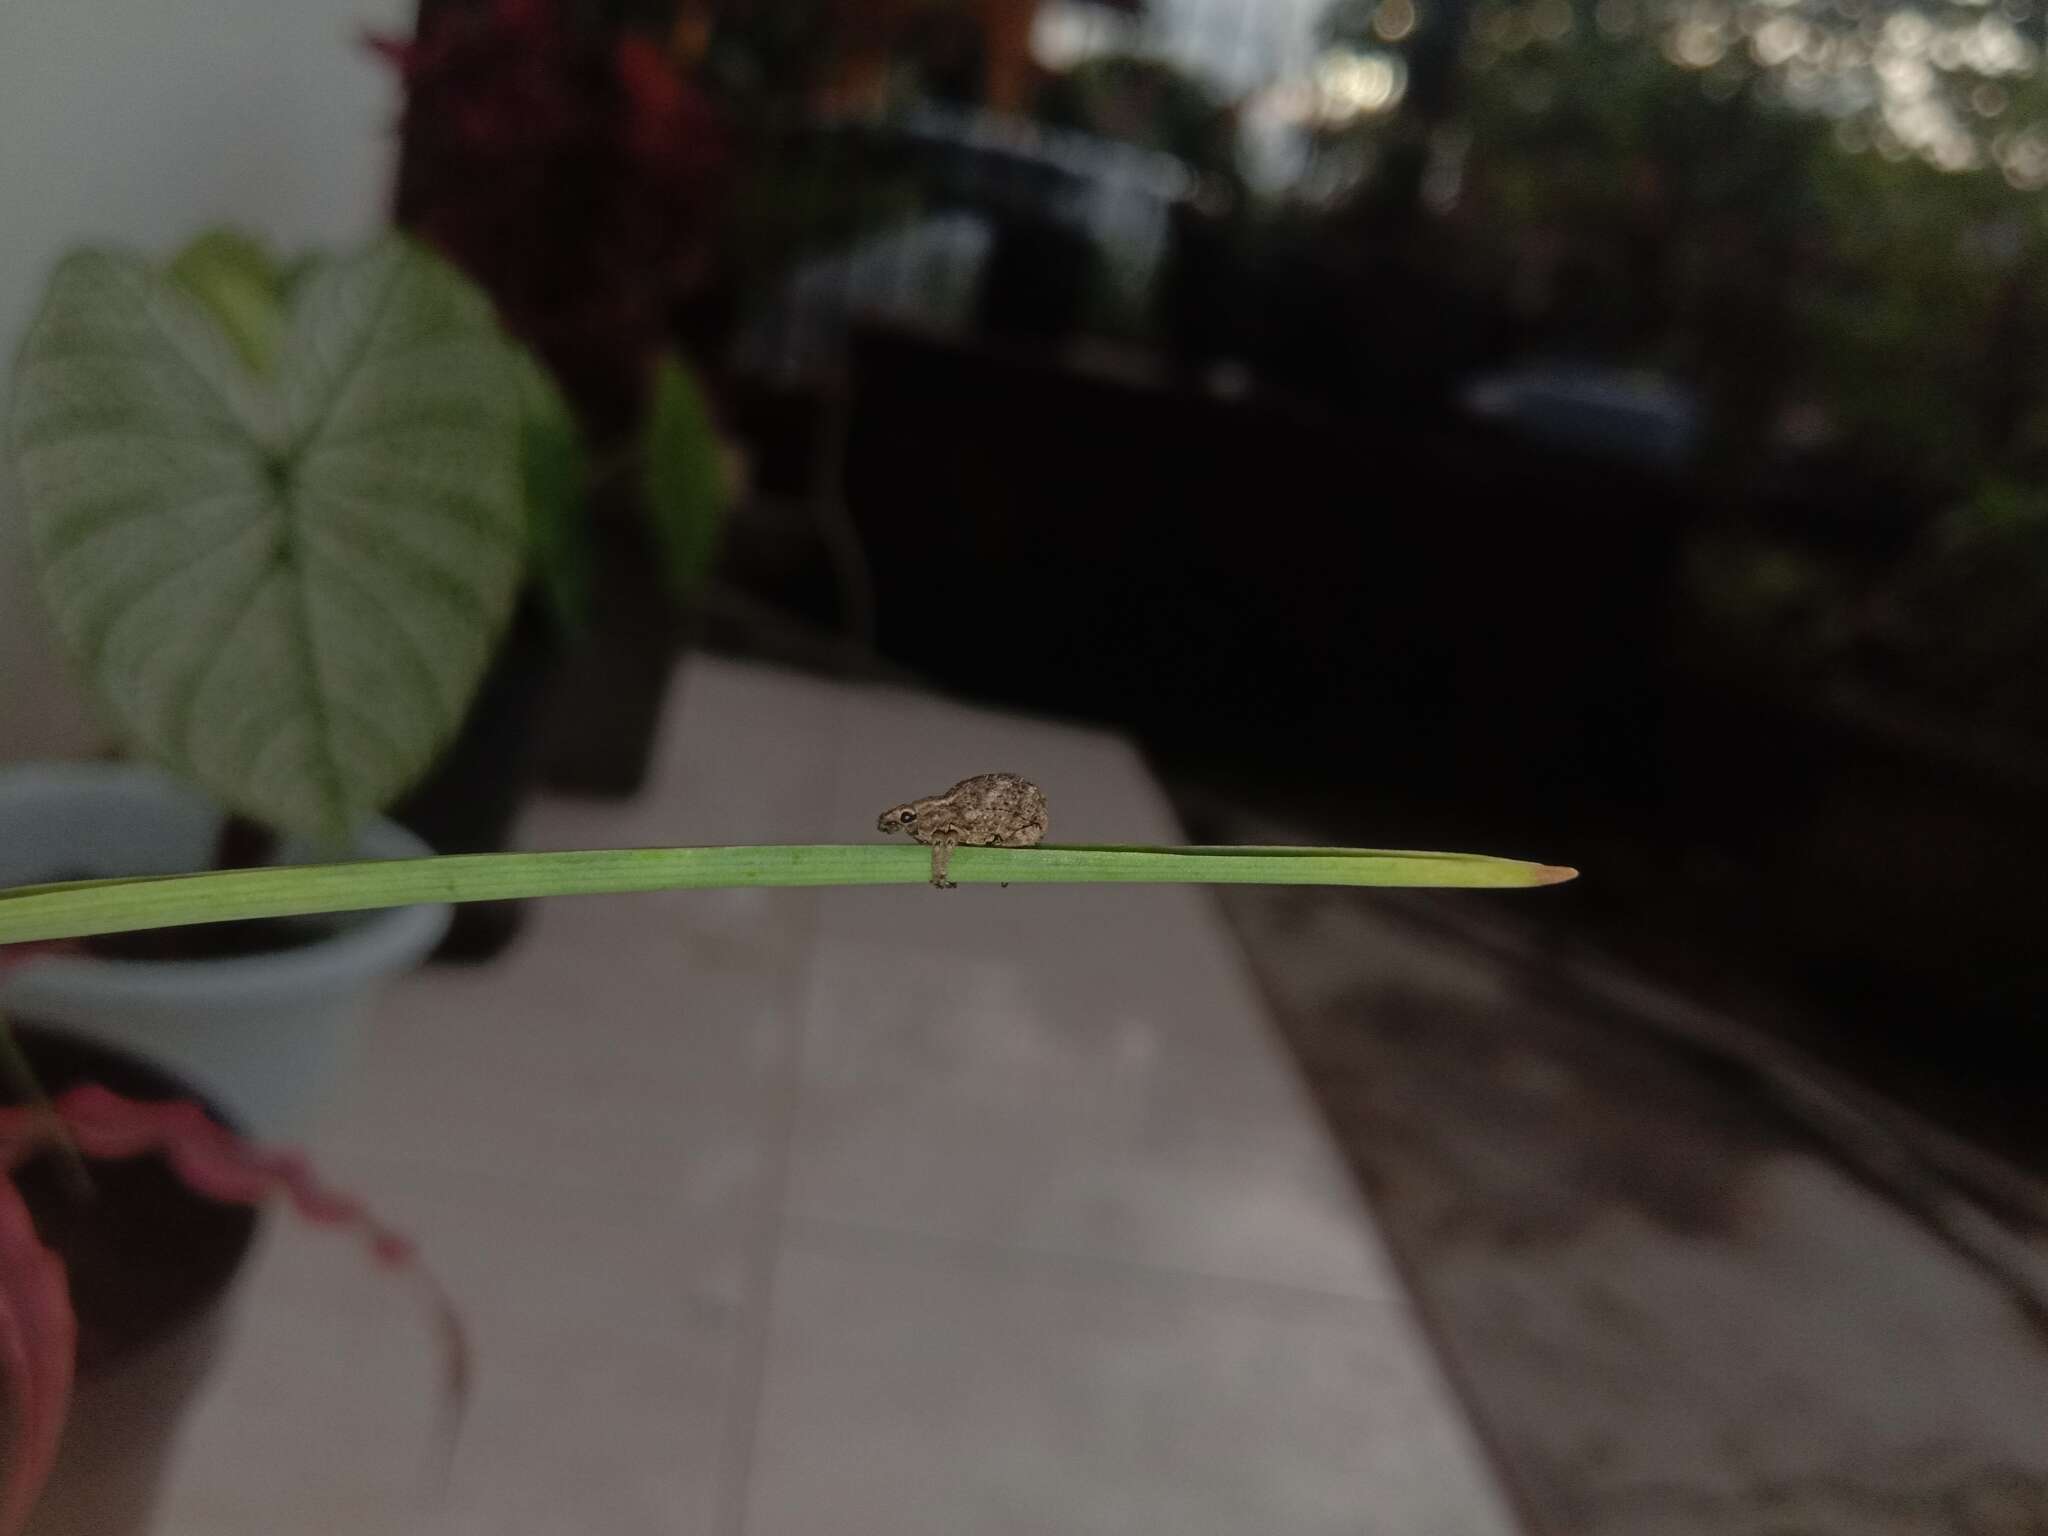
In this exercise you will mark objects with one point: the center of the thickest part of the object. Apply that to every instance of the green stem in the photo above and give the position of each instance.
(81, 908)
(21, 1080)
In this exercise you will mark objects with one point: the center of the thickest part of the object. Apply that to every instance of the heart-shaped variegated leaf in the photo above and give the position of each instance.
(286, 584)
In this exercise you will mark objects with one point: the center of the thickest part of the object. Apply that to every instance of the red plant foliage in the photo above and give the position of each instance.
(572, 171)
(38, 1353)
(38, 1329)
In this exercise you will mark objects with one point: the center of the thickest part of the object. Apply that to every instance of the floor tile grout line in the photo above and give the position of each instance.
(780, 1231)
(747, 1381)
(747, 1375)
(835, 1236)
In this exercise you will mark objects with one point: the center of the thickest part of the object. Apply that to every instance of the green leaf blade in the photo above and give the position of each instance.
(556, 462)
(81, 908)
(684, 483)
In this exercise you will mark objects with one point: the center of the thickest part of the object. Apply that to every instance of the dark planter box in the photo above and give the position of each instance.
(1431, 603)
(605, 705)
(472, 800)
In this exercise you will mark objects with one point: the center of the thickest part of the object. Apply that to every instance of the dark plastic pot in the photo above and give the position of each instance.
(150, 1266)
(472, 800)
(604, 712)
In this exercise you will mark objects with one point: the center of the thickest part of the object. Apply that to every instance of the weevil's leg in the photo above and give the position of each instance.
(942, 853)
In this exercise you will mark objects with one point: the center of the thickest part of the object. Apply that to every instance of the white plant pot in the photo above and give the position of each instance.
(266, 1036)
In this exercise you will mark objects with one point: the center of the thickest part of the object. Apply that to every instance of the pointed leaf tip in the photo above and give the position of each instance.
(1555, 874)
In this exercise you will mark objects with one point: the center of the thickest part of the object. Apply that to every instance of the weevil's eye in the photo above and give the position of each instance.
(907, 817)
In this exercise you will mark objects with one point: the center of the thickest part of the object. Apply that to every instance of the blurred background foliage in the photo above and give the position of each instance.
(1795, 250)
(1823, 221)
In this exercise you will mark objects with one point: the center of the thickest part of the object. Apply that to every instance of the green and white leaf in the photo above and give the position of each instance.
(284, 585)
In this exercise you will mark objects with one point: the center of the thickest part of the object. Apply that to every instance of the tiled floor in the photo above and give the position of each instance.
(843, 1212)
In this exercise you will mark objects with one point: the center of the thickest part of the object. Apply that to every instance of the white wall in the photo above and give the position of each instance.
(140, 122)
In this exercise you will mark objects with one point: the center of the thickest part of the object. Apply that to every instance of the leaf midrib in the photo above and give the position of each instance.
(291, 554)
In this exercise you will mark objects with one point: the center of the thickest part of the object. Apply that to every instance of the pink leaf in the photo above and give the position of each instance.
(38, 1345)
(38, 1330)
(211, 1161)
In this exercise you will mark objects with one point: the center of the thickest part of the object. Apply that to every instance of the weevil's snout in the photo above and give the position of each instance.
(895, 819)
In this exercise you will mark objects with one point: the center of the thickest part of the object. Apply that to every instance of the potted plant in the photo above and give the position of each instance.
(279, 518)
(468, 797)
(573, 171)
(126, 1210)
